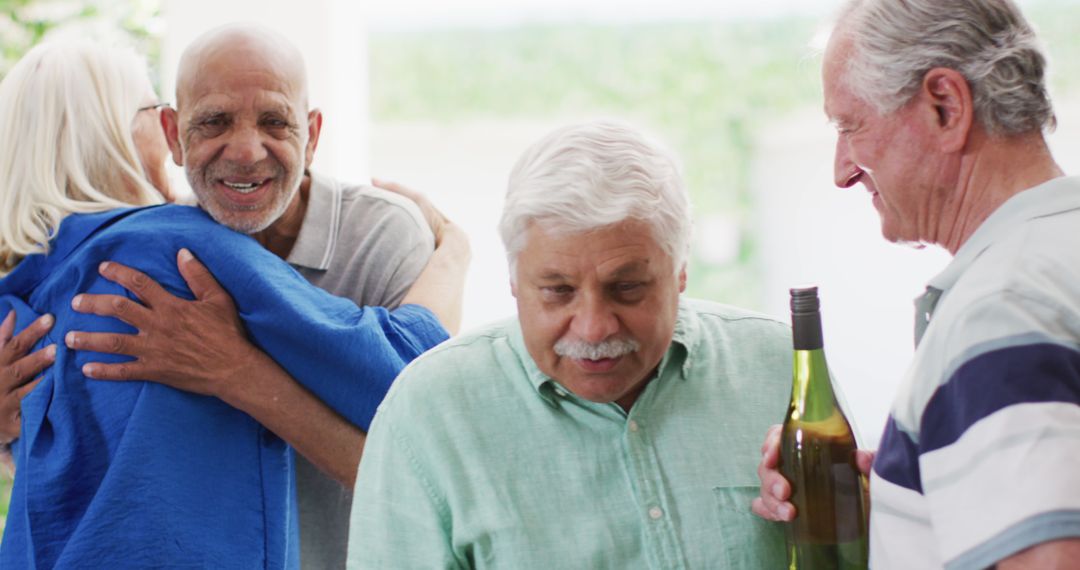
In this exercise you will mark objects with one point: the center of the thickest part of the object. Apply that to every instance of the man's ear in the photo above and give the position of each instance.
(682, 279)
(170, 123)
(314, 125)
(949, 95)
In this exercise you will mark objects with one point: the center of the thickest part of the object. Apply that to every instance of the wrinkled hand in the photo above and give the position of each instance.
(196, 346)
(435, 219)
(773, 503)
(19, 371)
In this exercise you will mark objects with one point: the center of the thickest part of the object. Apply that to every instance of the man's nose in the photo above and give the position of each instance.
(245, 145)
(594, 321)
(845, 172)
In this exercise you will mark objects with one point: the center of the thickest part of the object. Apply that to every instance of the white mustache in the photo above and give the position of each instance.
(581, 350)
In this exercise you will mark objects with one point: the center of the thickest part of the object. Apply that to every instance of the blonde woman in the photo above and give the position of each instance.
(138, 474)
(82, 134)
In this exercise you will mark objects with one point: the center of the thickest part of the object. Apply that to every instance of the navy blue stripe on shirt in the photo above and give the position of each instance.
(1032, 373)
(897, 460)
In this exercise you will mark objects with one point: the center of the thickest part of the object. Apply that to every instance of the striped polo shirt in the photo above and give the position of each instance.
(980, 458)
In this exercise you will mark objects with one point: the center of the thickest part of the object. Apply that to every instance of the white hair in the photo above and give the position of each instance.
(987, 41)
(585, 177)
(66, 113)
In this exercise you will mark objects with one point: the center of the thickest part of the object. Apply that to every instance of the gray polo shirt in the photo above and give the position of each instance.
(368, 245)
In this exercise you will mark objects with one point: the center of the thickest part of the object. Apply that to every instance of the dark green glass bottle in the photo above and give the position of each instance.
(817, 456)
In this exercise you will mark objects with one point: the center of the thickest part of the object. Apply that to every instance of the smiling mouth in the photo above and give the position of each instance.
(245, 187)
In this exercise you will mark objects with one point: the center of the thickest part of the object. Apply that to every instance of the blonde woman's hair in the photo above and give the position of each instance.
(66, 113)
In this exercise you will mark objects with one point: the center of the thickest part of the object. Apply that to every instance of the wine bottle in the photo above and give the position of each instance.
(817, 456)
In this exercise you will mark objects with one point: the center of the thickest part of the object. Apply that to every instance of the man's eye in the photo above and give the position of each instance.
(845, 130)
(275, 121)
(628, 290)
(557, 290)
(212, 126)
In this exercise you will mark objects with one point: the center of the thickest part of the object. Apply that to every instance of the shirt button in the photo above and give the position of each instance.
(655, 513)
(633, 425)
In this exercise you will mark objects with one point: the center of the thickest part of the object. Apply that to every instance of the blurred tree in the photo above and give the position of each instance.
(24, 23)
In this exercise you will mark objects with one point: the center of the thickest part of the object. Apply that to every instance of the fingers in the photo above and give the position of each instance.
(759, 509)
(122, 308)
(26, 388)
(775, 491)
(7, 463)
(111, 343)
(7, 328)
(140, 284)
(17, 368)
(864, 460)
(121, 371)
(17, 347)
(769, 505)
(21, 371)
(435, 218)
(395, 188)
(199, 279)
(770, 448)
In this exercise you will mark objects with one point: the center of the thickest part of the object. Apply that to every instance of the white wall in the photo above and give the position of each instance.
(463, 167)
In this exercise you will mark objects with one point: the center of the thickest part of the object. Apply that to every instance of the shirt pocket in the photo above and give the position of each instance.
(749, 541)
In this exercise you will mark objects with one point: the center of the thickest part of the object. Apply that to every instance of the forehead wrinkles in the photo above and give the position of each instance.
(615, 263)
(234, 85)
(236, 101)
(626, 246)
(622, 261)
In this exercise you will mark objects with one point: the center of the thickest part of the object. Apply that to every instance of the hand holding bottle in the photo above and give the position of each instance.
(817, 457)
(772, 503)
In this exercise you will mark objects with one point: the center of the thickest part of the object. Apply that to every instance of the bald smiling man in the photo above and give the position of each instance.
(245, 135)
(136, 474)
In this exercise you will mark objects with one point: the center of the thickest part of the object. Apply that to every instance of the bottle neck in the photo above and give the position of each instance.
(806, 331)
(812, 398)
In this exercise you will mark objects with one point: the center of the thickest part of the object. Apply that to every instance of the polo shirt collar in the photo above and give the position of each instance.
(1049, 198)
(685, 339)
(317, 240)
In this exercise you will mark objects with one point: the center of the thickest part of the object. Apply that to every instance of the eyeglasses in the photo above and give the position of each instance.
(154, 106)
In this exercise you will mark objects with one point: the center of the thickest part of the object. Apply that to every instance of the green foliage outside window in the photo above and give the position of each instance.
(24, 23)
(702, 86)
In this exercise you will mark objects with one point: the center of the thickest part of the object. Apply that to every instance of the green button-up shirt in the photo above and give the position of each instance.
(477, 459)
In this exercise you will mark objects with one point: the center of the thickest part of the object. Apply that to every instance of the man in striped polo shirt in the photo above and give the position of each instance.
(941, 107)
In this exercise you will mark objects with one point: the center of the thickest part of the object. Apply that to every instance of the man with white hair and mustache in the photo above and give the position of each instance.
(613, 424)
